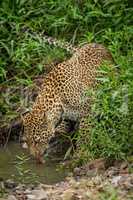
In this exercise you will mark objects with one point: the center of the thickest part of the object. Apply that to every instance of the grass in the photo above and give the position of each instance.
(25, 175)
(24, 57)
(112, 113)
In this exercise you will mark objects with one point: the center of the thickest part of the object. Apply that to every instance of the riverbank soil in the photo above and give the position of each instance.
(93, 181)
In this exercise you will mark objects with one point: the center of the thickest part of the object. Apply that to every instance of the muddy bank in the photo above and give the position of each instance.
(84, 183)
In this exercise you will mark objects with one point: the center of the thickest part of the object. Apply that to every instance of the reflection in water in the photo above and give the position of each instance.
(46, 173)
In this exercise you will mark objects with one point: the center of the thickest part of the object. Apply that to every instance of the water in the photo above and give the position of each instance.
(46, 173)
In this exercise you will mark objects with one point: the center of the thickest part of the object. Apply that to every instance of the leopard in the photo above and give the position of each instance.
(63, 96)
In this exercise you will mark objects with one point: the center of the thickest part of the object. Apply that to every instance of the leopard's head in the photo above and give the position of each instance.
(36, 135)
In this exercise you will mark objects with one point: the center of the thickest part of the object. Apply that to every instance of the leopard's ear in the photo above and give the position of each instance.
(23, 114)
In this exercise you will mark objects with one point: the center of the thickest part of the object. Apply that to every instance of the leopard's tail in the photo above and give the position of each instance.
(50, 40)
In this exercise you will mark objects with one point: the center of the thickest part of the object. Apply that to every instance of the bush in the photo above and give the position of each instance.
(111, 120)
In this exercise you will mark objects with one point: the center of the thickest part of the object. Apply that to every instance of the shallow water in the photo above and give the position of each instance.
(48, 173)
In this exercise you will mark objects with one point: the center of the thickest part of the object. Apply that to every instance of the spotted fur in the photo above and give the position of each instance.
(63, 96)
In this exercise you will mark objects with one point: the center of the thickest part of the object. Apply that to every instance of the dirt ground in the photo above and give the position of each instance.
(94, 181)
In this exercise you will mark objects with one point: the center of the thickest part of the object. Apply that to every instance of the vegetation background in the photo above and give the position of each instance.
(23, 57)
